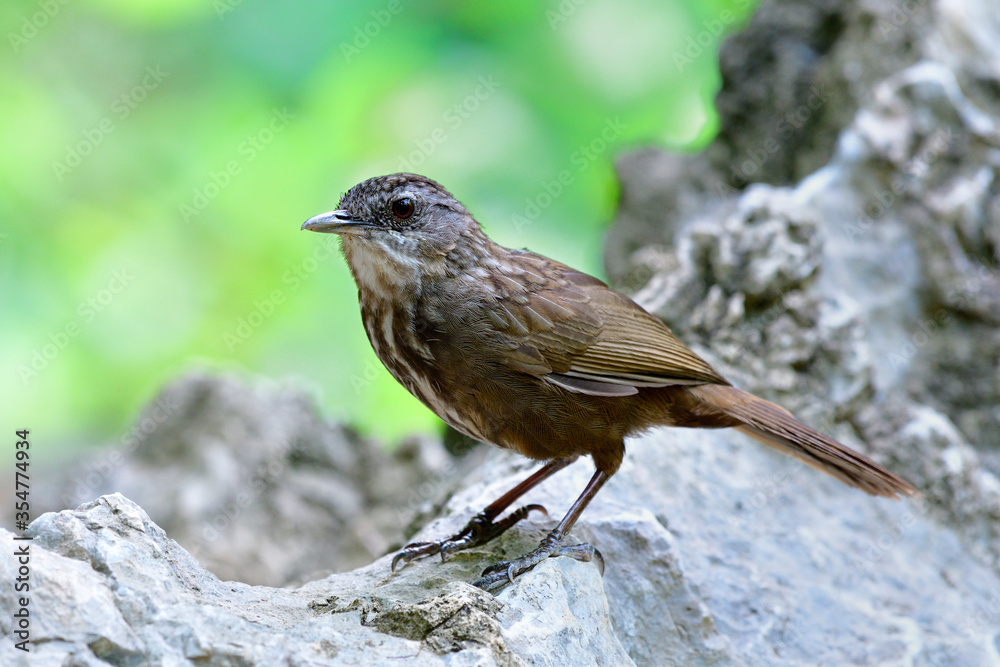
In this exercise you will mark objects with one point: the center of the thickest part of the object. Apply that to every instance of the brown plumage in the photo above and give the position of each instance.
(523, 352)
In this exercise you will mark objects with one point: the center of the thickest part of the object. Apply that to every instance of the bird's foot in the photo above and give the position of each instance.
(480, 530)
(503, 572)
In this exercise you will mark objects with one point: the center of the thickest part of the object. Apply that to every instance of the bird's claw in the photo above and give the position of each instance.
(417, 550)
(600, 560)
(505, 570)
(480, 530)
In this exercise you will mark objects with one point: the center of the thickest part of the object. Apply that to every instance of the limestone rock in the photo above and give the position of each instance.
(109, 587)
(238, 470)
(848, 271)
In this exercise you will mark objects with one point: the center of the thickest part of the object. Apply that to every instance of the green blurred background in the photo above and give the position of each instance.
(159, 157)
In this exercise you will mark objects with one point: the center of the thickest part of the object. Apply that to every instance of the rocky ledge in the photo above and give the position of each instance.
(836, 250)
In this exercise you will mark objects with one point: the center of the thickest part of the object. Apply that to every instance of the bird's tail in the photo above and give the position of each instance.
(776, 427)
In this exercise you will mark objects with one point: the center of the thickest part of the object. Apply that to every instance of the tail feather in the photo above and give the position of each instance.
(776, 427)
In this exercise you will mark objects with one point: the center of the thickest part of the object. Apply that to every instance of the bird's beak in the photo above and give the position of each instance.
(335, 222)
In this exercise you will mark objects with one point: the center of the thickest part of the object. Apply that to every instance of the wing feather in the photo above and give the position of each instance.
(582, 336)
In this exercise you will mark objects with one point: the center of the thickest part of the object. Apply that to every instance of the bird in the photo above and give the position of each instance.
(523, 352)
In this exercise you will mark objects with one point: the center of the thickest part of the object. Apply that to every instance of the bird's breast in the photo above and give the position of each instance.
(400, 339)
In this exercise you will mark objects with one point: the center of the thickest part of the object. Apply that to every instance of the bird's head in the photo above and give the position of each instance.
(394, 223)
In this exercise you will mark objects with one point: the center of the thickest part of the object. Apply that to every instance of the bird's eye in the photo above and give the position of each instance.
(403, 208)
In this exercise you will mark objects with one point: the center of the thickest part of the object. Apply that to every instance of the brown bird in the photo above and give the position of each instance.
(528, 354)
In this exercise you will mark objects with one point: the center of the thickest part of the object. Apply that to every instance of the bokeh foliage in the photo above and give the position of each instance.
(159, 156)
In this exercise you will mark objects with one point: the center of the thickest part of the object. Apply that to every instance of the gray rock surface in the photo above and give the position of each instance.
(848, 272)
(843, 264)
(110, 588)
(718, 552)
(238, 471)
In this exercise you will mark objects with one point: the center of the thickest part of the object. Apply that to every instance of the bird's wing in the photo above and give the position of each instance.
(571, 329)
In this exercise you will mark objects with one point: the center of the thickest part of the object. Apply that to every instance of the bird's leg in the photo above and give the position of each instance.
(505, 571)
(482, 528)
